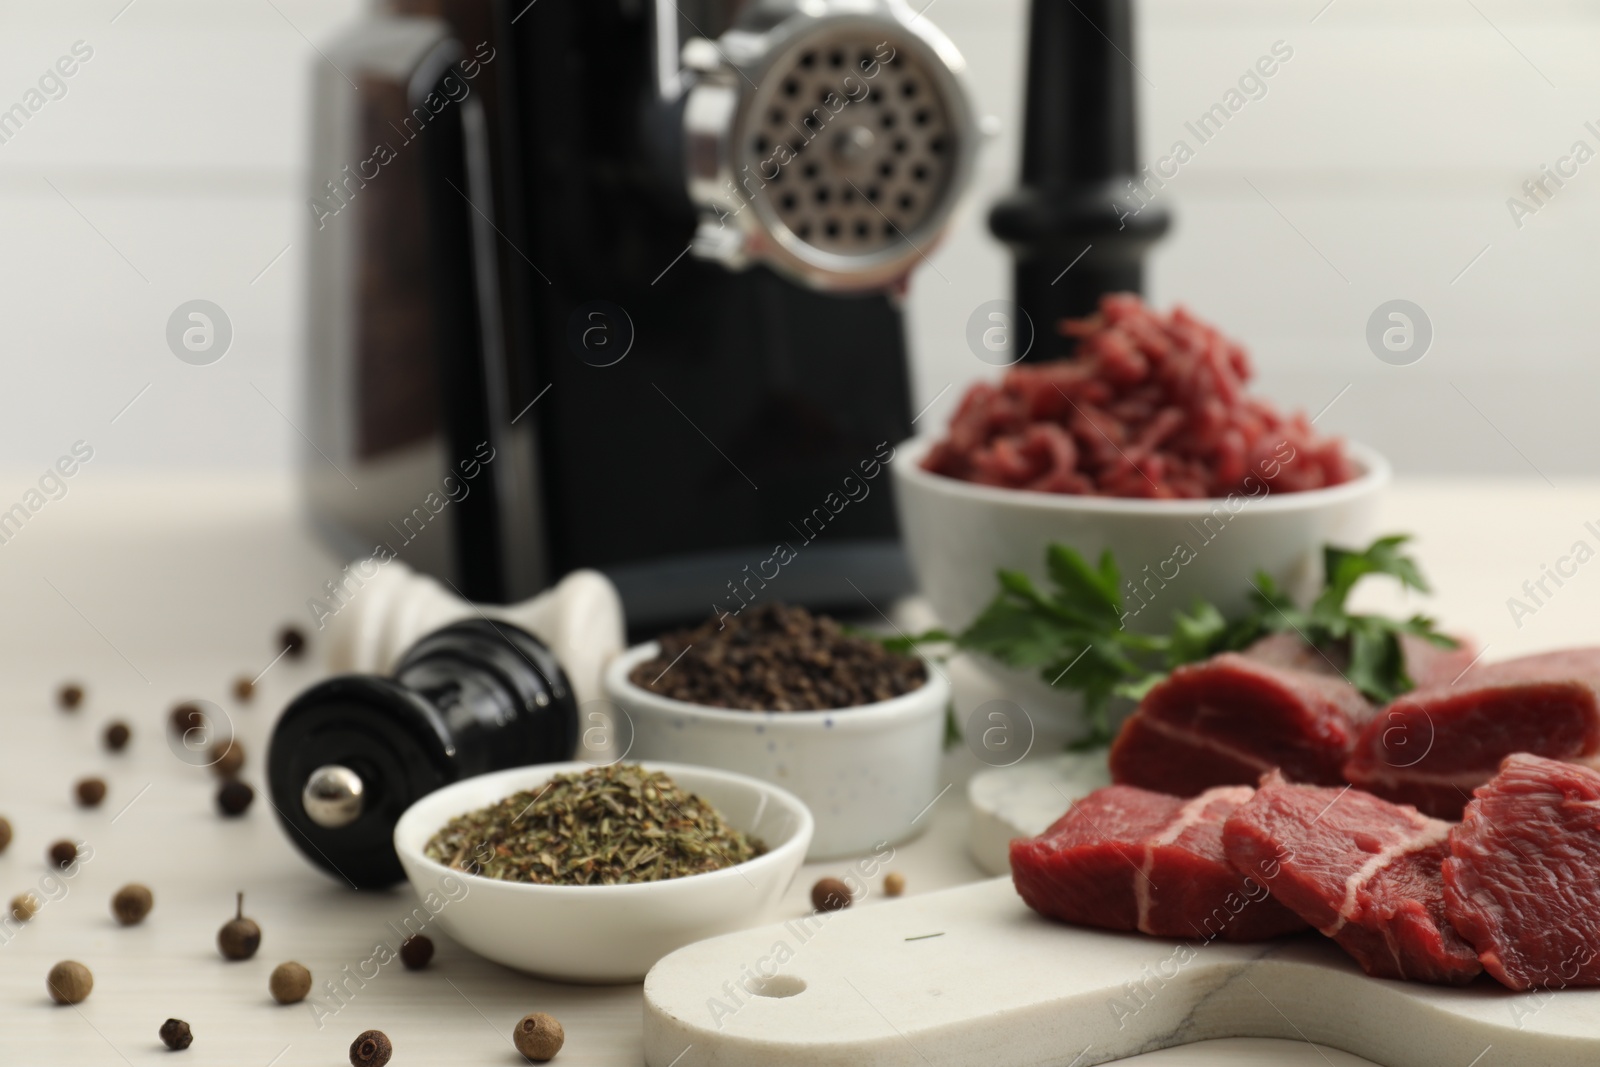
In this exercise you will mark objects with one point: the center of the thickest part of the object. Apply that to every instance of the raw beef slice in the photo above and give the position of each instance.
(1127, 859)
(1231, 718)
(1434, 745)
(1360, 869)
(1429, 665)
(1523, 878)
(1426, 663)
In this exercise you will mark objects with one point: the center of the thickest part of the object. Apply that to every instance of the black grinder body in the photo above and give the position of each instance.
(474, 697)
(744, 398)
(656, 416)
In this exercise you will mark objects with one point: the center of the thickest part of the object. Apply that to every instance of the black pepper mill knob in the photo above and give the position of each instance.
(350, 754)
(1076, 208)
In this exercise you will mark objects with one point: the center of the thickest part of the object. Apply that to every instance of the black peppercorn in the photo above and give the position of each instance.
(830, 894)
(227, 758)
(186, 717)
(24, 906)
(5, 834)
(90, 791)
(117, 735)
(70, 696)
(69, 982)
(132, 903)
(538, 1036)
(292, 642)
(244, 690)
(63, 854)
(234, 798)
(416, 951)
(239, 937)
(176, 1035)
(290, 982)
(777, 657)
(371, 1049)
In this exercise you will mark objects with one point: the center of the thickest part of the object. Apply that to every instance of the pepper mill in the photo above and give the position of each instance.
(1070, 223)
(383, 608)
(351, 753)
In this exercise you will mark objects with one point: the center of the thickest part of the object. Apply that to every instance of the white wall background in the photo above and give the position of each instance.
(1381, 159)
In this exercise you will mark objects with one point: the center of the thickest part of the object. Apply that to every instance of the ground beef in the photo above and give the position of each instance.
(1149, 405)
(776, 657)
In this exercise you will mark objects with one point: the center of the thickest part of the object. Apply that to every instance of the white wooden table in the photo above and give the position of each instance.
(153, 592)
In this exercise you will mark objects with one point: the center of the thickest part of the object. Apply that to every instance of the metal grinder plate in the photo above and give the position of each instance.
(866, 175)
(833, 147)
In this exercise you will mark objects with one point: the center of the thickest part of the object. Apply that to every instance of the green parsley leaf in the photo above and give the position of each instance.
(1072, 633)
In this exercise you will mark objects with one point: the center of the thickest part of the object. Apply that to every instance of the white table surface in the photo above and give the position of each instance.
(150, 592)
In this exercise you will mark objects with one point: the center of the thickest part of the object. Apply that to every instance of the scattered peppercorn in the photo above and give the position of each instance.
(371, 1049)
(244, 690)
(228, 762)
(830, 894)
(176, 1035)
(24, 906)
(186, 717)
(63, 854)
(234, 798)
(292, 641)
(91, 791)
(5, 833)
(239, 937)
(777, 657)
(290, 982)
(416, 951)
(117, 735)
(894, 883)
(69, 982)
(132, 903)
(538, 1036)
(70, 696)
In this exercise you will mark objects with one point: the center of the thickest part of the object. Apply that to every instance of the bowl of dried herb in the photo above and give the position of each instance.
(588, 873)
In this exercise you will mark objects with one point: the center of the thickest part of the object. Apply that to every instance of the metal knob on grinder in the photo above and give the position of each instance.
(351, 753)
(334, 796)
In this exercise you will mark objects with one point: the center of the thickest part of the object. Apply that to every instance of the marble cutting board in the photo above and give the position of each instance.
(970, 975)
(1024, 799)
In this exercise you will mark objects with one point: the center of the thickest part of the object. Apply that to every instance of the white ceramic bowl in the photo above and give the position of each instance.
(604, 933)
(866, 773)
(959, 534)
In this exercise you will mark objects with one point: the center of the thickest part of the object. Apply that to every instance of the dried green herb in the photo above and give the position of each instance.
(611, 825)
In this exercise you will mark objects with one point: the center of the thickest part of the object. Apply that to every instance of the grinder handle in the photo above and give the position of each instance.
(1080, 152)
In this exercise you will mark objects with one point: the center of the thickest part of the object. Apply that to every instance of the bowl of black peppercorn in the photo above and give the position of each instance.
(851, 727)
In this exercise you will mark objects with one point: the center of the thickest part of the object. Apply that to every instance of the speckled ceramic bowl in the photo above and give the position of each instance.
(867, 773)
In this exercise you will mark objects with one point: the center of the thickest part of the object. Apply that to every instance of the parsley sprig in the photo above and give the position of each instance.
(1072, 633)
